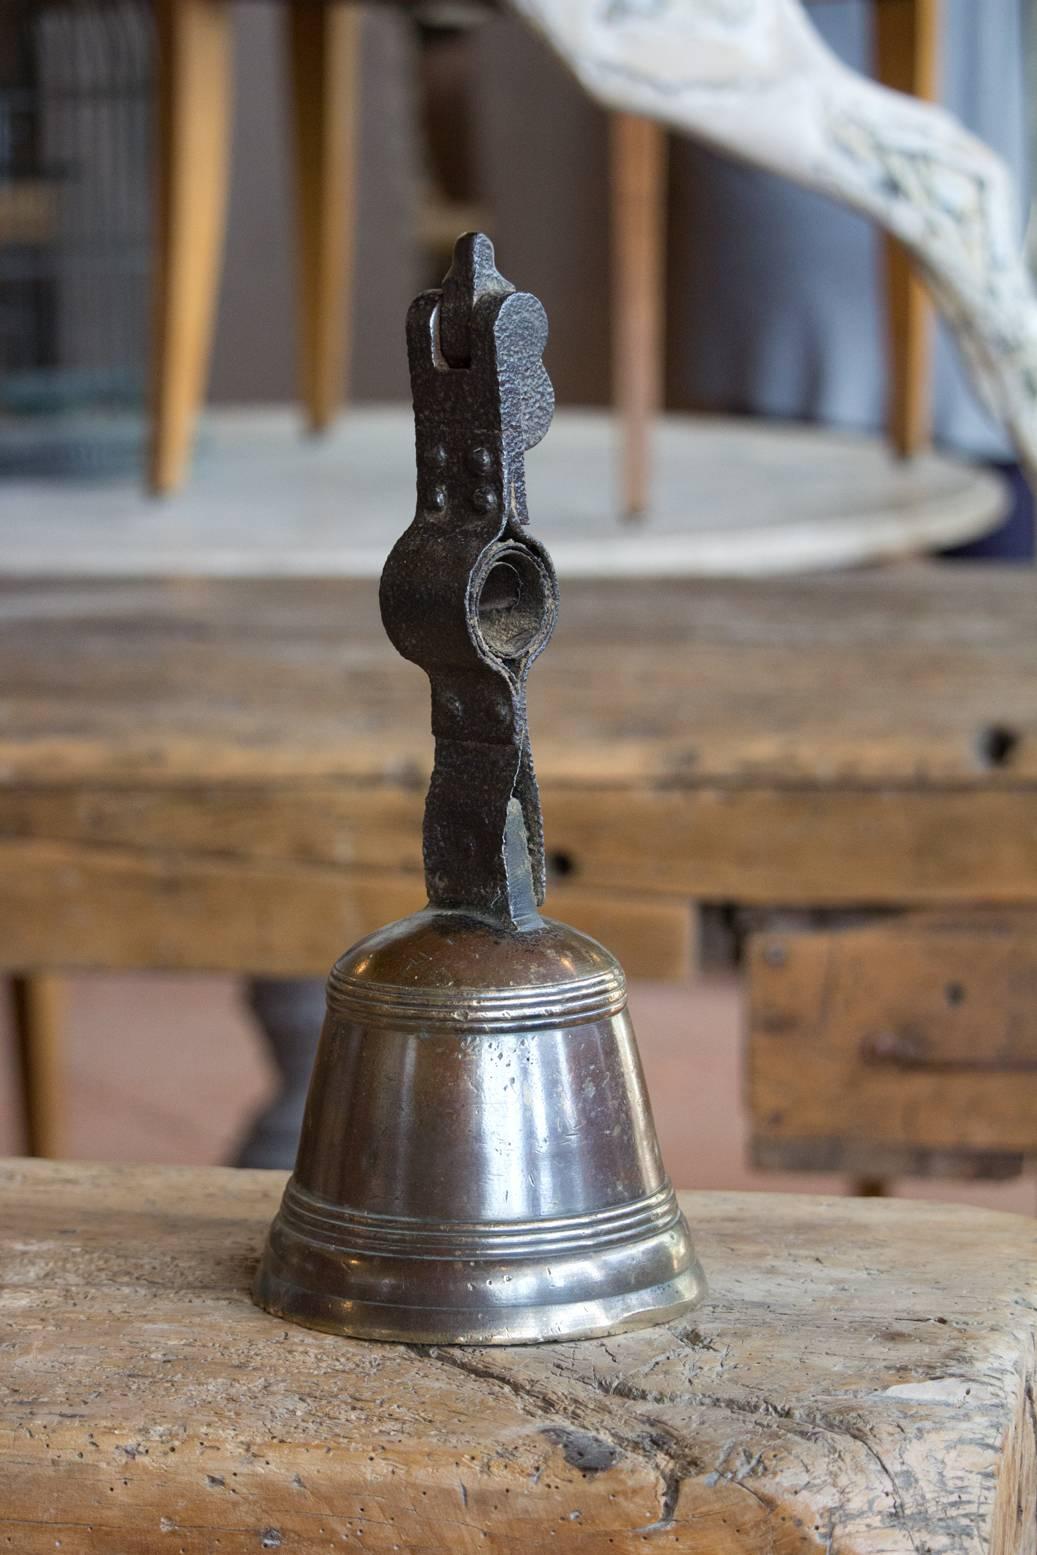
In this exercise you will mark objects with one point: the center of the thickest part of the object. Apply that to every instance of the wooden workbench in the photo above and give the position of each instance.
(860, 1382)
(230, 775)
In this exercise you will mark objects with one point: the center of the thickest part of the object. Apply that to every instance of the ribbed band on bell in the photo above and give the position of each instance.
(526, 1008)
(344, 1230)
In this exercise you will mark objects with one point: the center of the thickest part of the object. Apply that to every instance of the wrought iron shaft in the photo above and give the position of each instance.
(467, 593)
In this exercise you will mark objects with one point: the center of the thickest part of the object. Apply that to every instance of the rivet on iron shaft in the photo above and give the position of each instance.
(484, 499)
(478, 1162)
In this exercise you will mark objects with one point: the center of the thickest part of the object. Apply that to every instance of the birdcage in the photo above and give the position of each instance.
(75, 130)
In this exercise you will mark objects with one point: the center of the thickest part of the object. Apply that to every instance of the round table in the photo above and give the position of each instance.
(732, 497)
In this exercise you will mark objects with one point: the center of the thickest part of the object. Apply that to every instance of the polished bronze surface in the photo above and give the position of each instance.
(478, 1162)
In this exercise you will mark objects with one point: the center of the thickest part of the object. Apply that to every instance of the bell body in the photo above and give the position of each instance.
(478, 1162)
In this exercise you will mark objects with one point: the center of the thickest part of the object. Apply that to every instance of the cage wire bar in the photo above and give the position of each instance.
(75, 233)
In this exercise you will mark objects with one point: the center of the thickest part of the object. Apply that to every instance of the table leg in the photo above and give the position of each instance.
(638, 191)
(37, 1009)
(289, 1012)
(906, 59)
(192, 138)
(323, 48)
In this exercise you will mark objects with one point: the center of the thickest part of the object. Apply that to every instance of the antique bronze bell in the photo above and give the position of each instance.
(478, 1162)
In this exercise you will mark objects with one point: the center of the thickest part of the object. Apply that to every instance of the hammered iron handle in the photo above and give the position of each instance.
(467, 592)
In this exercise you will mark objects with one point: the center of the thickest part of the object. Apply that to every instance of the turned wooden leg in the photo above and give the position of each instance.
(906, 59)
(289, 1012)
(324, 42)
(37, 1007)
(869, 1188)
(638, 173)
(192, 139)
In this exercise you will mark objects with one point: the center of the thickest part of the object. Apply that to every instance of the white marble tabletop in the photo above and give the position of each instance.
(731, 498)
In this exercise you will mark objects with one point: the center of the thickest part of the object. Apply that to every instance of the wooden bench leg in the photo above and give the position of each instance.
(37, 1008)
(323, 48)
(192, 139)
(290, 1012)
(638, 174)
(906, 59)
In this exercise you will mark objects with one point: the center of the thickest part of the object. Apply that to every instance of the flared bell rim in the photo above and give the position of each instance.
(563, 1322)
(580, 1278)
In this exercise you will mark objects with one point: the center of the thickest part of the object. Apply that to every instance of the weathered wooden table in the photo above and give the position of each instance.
(860, 1382)
(230, 775)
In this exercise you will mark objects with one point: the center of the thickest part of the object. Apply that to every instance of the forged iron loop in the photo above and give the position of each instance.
(467, 593)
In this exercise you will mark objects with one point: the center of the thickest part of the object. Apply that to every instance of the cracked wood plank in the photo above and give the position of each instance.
(861, 1382)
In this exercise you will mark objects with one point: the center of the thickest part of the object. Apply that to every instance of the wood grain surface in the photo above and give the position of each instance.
(917, 1032)
(860, 1382)
(231, 775)
(902, 677)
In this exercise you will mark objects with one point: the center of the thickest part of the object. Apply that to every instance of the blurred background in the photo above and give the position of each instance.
(764, 303)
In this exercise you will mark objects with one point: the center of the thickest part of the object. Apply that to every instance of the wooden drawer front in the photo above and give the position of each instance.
(907, 1045)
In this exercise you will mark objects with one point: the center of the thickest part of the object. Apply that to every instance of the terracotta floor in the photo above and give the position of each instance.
(165, 1068)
